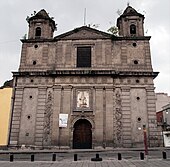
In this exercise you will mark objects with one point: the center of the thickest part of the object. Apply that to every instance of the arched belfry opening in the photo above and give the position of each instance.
(38, 32)
(132, 29)
(82, 134)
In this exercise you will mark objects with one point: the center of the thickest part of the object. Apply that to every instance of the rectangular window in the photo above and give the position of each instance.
(84, 56)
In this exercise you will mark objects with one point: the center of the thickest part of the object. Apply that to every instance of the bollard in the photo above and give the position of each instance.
(11, 157)
(97, 158)
(32, 157)
(97, 155)
(54, 157)
(119, 156)
(141, 155)
(75, 157)
(164, 155)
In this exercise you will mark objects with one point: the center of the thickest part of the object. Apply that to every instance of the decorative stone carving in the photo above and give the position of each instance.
(118, 117)
(47, 120)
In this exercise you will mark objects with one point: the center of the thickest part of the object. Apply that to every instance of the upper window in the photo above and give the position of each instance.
(84, 56)
(38, 32)
(132, 29)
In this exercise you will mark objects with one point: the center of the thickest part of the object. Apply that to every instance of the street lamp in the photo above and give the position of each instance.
(145, 140)
(167, 110)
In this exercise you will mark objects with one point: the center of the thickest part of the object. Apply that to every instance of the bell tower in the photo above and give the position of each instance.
(130, 23)
(41, 26)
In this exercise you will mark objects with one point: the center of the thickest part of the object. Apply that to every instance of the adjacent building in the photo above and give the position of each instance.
(163, 111)
(5, 105)
(84, 88)
(162, 99)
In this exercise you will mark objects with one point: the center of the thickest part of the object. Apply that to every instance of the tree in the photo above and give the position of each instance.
(113, 30)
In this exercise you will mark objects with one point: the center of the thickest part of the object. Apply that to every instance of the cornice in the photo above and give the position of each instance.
(112, 73)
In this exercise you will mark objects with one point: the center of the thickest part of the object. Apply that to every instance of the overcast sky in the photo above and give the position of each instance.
(69, 14)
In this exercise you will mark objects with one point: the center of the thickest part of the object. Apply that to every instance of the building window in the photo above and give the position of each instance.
(38, 32)
(84, 56)
(132, 29)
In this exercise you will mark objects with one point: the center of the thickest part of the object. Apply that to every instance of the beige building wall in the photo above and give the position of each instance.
(162, 99)
(5, 103)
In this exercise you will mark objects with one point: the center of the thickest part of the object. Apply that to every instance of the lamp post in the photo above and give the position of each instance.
(167, 111)
(165, 122)
(145, 140)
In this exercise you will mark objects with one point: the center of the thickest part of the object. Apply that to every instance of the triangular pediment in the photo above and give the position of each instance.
(84, 33)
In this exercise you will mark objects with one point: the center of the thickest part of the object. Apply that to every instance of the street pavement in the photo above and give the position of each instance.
(65, 158)
(104, 163)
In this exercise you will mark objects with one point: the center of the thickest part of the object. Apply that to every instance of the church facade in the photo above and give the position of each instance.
(84, 88)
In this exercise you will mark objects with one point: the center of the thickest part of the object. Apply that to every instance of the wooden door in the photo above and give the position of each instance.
(82, 135)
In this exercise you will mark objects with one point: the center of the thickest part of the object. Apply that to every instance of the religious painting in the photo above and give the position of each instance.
(83, 99)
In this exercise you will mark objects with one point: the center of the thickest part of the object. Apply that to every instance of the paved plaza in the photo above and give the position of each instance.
(65, 158)
(104, 163)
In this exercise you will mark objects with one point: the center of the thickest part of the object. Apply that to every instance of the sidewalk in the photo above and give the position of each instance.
(108, 163)
(64, 158)
(29, 150)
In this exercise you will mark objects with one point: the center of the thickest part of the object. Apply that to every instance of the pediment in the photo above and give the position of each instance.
(84, 33)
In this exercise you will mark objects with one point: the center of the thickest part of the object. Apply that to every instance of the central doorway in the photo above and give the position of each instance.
(82, 134)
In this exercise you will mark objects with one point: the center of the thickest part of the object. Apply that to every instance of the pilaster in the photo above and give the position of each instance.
(152, 122)
(42, 91)
(16, 117)
(126, 117)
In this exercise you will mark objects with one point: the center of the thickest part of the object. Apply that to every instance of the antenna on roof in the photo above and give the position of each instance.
(84, 16)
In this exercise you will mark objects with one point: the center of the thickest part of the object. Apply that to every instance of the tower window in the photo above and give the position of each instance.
(132, 29)
(34, 62)
(38, 32)
(134, 44)
(136, 62)
(35, 46)
(84, 56)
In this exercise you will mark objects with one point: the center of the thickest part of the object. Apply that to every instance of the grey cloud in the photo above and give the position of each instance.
(69, 14)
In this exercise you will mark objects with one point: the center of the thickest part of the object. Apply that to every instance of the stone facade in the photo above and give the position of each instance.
(107, 101)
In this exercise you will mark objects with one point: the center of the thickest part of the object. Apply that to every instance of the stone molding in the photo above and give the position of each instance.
(87, 72)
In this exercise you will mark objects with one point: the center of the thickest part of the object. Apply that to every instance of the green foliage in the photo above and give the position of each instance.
(113, 30)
